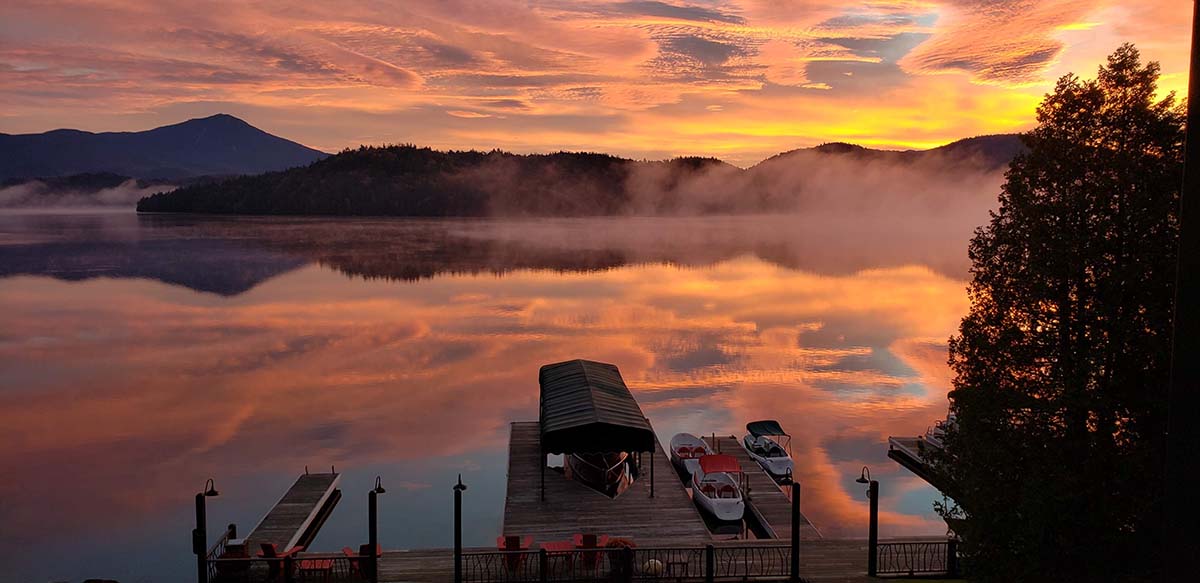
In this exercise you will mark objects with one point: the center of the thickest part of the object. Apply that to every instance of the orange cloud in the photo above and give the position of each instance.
(644, 78)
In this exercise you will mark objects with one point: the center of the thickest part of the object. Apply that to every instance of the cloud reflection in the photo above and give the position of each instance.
(120, 394)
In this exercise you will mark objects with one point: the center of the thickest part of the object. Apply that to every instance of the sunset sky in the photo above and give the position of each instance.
(738, 79)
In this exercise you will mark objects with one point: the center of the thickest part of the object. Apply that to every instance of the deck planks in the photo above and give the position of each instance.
(768, 499)
(286, 522)
(668, 519)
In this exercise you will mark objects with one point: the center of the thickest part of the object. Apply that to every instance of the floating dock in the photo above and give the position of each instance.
(668, 519)
(297, 517)
(908, 452)
(770, 505)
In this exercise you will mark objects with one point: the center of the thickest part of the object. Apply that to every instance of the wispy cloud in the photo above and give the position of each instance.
(334, 75)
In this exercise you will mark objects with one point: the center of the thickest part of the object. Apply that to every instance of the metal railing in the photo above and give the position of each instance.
(300, 568)
(918, 558)
(218, 548)
(709, 563)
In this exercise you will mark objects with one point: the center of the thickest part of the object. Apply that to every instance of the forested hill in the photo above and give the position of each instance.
(412, 181)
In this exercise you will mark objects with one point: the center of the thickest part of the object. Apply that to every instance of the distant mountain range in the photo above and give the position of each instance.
(222, 164)
(413, 181)
(219, 145)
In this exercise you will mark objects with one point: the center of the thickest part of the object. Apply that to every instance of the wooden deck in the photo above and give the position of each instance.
(907, 451)
(827, 561)
(768, 500)
(298, 515)
(668, 519)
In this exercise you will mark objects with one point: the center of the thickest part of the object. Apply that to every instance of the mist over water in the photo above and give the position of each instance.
(141, 354)
(37, 194)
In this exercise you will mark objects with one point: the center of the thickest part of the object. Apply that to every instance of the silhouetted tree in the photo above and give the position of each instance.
(1061, 367)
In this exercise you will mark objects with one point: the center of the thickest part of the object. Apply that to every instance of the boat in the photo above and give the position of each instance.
(607, 473)
(934, 436)
(717, 487)
(686, 451)
(763, 445)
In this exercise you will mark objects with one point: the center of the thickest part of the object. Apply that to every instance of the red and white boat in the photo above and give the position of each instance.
(717, 488)
(686, 451)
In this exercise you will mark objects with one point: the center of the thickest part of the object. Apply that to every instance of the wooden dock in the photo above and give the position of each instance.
(668, 519)
(299, 514)
(908, 452)
(767, 500)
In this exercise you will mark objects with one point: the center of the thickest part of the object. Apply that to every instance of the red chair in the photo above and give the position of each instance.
(358, 566)
(270, 551)
(512, 542)
(561, 555)
(684, 452)
(586, 543)
(709, 490)
(727, 491)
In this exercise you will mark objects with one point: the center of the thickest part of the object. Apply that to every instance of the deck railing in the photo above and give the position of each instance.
(709, 563)
(300, 568)
(918, 558)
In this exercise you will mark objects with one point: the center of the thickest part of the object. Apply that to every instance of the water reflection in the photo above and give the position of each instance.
(253, 354)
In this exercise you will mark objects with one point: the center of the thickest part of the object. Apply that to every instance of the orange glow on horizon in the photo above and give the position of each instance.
(742, 79)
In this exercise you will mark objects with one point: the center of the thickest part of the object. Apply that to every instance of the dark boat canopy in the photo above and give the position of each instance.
(765, 427)
(586, 408)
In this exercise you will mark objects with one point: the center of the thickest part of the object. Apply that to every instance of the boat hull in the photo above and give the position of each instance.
(726, 510)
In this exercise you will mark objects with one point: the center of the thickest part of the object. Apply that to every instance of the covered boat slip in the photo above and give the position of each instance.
(667, 519)
(585, 409)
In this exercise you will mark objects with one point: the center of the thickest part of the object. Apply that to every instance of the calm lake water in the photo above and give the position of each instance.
(141, 355)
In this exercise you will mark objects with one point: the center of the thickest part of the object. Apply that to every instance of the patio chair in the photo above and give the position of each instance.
(275, 567)
(359, 567)
(588, 545)
(512, 542)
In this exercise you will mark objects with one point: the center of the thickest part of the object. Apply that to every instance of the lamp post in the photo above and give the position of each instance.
(873, 529)
(200, 533)
(373, 526)
(458, 490)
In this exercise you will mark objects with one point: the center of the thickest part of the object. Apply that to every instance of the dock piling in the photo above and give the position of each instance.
(795, 572)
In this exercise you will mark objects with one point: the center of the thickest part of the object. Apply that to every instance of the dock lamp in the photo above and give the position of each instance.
(873, 528)
(373, 526)
(200, 533)
(458, 490)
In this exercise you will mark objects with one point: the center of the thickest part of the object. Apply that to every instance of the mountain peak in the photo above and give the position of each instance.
(219, 144)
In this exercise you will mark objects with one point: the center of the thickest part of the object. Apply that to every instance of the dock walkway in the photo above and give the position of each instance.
(768, 500)
(908, 452)
(668, 519)
(295, 519)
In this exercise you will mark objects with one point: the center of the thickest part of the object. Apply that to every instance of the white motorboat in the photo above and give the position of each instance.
(609, 473)
(717, 487)
(686, 451)
(768, 444)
